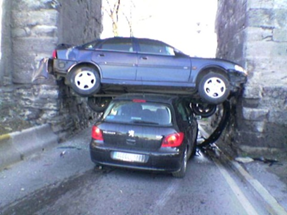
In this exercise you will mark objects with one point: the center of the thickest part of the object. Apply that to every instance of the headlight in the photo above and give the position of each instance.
(240, 69)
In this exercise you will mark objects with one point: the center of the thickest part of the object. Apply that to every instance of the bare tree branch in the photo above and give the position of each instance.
(114, 11)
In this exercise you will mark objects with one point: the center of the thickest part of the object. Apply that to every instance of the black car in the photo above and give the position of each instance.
(112, 66)
(146, 132)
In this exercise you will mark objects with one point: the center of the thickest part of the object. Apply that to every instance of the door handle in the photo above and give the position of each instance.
(144, 58)
(101, 55)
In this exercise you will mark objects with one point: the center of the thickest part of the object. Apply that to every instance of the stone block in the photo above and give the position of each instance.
(44, 30)
(252, 92)
(267, 71)
(260, 18)
(260, 4)
(280, 4)
(249, 138)
(258, 49)
(278, 116)
(255, 114)
(25, 46)
(258, 34)
(275, 92)
(26, 50)
(280, 17)
(32, 4)
(33, 18)
(48, 91)
(280, 35)
(251, 103)
(21, 32)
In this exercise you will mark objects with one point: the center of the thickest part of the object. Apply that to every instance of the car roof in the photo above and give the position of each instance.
(148, 97)
(134, 38)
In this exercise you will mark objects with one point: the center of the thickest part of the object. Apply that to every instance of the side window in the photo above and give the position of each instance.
(118, 45)
(91, 45)
(155, 47)
(182, 111)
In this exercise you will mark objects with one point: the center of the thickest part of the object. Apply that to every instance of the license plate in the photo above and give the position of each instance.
(129, 157)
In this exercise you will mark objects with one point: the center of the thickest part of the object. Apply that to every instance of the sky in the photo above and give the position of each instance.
(188, 25)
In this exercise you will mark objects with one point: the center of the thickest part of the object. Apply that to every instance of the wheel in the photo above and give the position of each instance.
(181, 173)
(214, 88)
(84, 80)
(99, 104)
(204, 110)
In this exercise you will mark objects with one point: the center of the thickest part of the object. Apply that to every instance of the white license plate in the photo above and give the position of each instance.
(128, 157)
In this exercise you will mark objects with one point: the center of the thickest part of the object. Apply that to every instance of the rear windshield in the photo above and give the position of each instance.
(138, 113)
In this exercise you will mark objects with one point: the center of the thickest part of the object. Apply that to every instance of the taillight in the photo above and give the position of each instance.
(139, 100)
(97, 133)
(54, 55)
(173, 140)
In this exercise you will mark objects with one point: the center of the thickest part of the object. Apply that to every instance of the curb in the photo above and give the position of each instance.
(273, 206)
(15, 146)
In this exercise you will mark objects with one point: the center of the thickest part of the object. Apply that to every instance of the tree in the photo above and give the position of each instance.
(124, 10)
(113, 13)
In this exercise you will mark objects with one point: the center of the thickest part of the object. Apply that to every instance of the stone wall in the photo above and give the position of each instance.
(37, 26)
(253, 33)
(6, 45)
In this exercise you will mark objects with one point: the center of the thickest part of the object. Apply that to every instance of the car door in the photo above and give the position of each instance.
(158, 64)
(116, 59)
(186, 123)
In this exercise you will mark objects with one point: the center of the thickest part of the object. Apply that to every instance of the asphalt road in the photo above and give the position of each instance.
(62, 180)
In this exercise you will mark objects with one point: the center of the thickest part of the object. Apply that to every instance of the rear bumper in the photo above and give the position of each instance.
(62, 67)
(155, 161)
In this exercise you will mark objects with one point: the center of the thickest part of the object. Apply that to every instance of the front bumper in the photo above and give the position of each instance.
(237, 79)
(154, 161)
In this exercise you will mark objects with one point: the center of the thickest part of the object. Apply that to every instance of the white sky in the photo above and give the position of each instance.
(177, 23)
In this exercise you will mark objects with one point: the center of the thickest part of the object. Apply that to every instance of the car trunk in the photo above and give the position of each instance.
(134, 136)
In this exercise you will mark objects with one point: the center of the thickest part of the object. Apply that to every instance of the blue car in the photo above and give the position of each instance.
(104, 68)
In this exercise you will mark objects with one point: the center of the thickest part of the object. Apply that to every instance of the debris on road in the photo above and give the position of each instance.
(265, 160)
(62, 153)
(244, 159)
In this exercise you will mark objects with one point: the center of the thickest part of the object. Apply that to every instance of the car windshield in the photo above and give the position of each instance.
(138, 113)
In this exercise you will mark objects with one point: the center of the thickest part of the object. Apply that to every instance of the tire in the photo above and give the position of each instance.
(99, 104)
(214, 88)
(204, 110)
(84, 80)
(181, 172)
